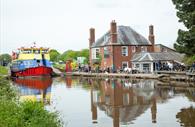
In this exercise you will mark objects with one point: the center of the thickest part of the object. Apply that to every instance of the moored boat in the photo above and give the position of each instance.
(31, 61)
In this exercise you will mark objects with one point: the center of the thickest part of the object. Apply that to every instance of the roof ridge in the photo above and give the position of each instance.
(125, 36)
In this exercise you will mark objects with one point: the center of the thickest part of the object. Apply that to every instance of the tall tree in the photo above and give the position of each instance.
(85, 53)
(186, 38)
(70, 54)
(54, 55)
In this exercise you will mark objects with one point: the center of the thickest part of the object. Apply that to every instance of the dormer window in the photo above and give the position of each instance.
(164, 50)
(143, 49)
(124, 51)
(106, 38)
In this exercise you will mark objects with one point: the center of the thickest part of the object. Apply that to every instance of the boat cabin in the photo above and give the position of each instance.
(34, 50)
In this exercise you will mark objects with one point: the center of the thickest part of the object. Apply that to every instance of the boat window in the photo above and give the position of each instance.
(26, 51)
(44, 51)
(37, 51)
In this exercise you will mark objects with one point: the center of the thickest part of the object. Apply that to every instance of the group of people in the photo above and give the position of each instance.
(96, 69)
(169, 66)
(84, 68)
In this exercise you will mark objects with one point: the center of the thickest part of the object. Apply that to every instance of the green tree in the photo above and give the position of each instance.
(186, 38)
(54, 55)
(85, 53)
(5, 59)
(70, 54)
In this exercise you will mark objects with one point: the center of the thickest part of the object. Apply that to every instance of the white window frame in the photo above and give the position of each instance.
(146, 69)
(133, 49)
(125, 51)
(95, 52)
(125, 62)
(137, 66)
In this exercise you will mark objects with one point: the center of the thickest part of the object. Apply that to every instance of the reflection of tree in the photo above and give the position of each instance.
(154, 110)
(187, 117)
(190, 95)
(169, 91)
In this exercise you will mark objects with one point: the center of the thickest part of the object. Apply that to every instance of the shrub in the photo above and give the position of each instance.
(23, 114)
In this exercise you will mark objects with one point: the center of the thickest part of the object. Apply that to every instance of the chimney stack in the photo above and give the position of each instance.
(151, 36)
(91, 36)
(113, 31)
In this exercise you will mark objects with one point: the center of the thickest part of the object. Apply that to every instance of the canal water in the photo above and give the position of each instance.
(88, 102)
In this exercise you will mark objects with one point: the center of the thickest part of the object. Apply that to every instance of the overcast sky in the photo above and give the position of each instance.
(64, 24)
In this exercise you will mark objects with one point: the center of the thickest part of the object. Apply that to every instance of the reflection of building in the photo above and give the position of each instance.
(36, 89)
(125, 100)
(124, 103)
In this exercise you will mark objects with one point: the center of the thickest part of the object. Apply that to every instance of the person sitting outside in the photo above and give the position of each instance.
(193, 66)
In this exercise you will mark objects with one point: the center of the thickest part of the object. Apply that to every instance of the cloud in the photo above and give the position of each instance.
(111, 3)
(64, 24)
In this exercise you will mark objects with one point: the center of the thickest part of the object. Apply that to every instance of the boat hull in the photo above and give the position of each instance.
(35, 71)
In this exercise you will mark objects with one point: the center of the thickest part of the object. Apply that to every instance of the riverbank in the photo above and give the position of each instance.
(160, 75)
(114, 75)
(14, 113)
(165, 76)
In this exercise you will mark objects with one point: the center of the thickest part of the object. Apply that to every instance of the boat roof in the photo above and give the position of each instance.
(33, 48)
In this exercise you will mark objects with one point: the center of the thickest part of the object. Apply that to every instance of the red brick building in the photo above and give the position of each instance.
(117, 46)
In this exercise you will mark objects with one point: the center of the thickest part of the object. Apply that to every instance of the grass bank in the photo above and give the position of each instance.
(22, 114)
(3, 70)
(61, 67)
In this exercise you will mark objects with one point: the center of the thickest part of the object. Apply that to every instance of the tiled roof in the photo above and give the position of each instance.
(163, 56)
(125, 36)
(165, 47)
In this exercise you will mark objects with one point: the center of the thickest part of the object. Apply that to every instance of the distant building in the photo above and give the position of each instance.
(162, 48)
(117, 46)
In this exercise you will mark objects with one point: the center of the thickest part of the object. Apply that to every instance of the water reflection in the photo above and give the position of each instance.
(35, 89)
(186, 117)
(68, 80)
(125, 100)
(122, 100)
(112, 102)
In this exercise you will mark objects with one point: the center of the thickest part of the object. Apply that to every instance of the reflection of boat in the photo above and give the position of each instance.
(31, 61)
(36, 89)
